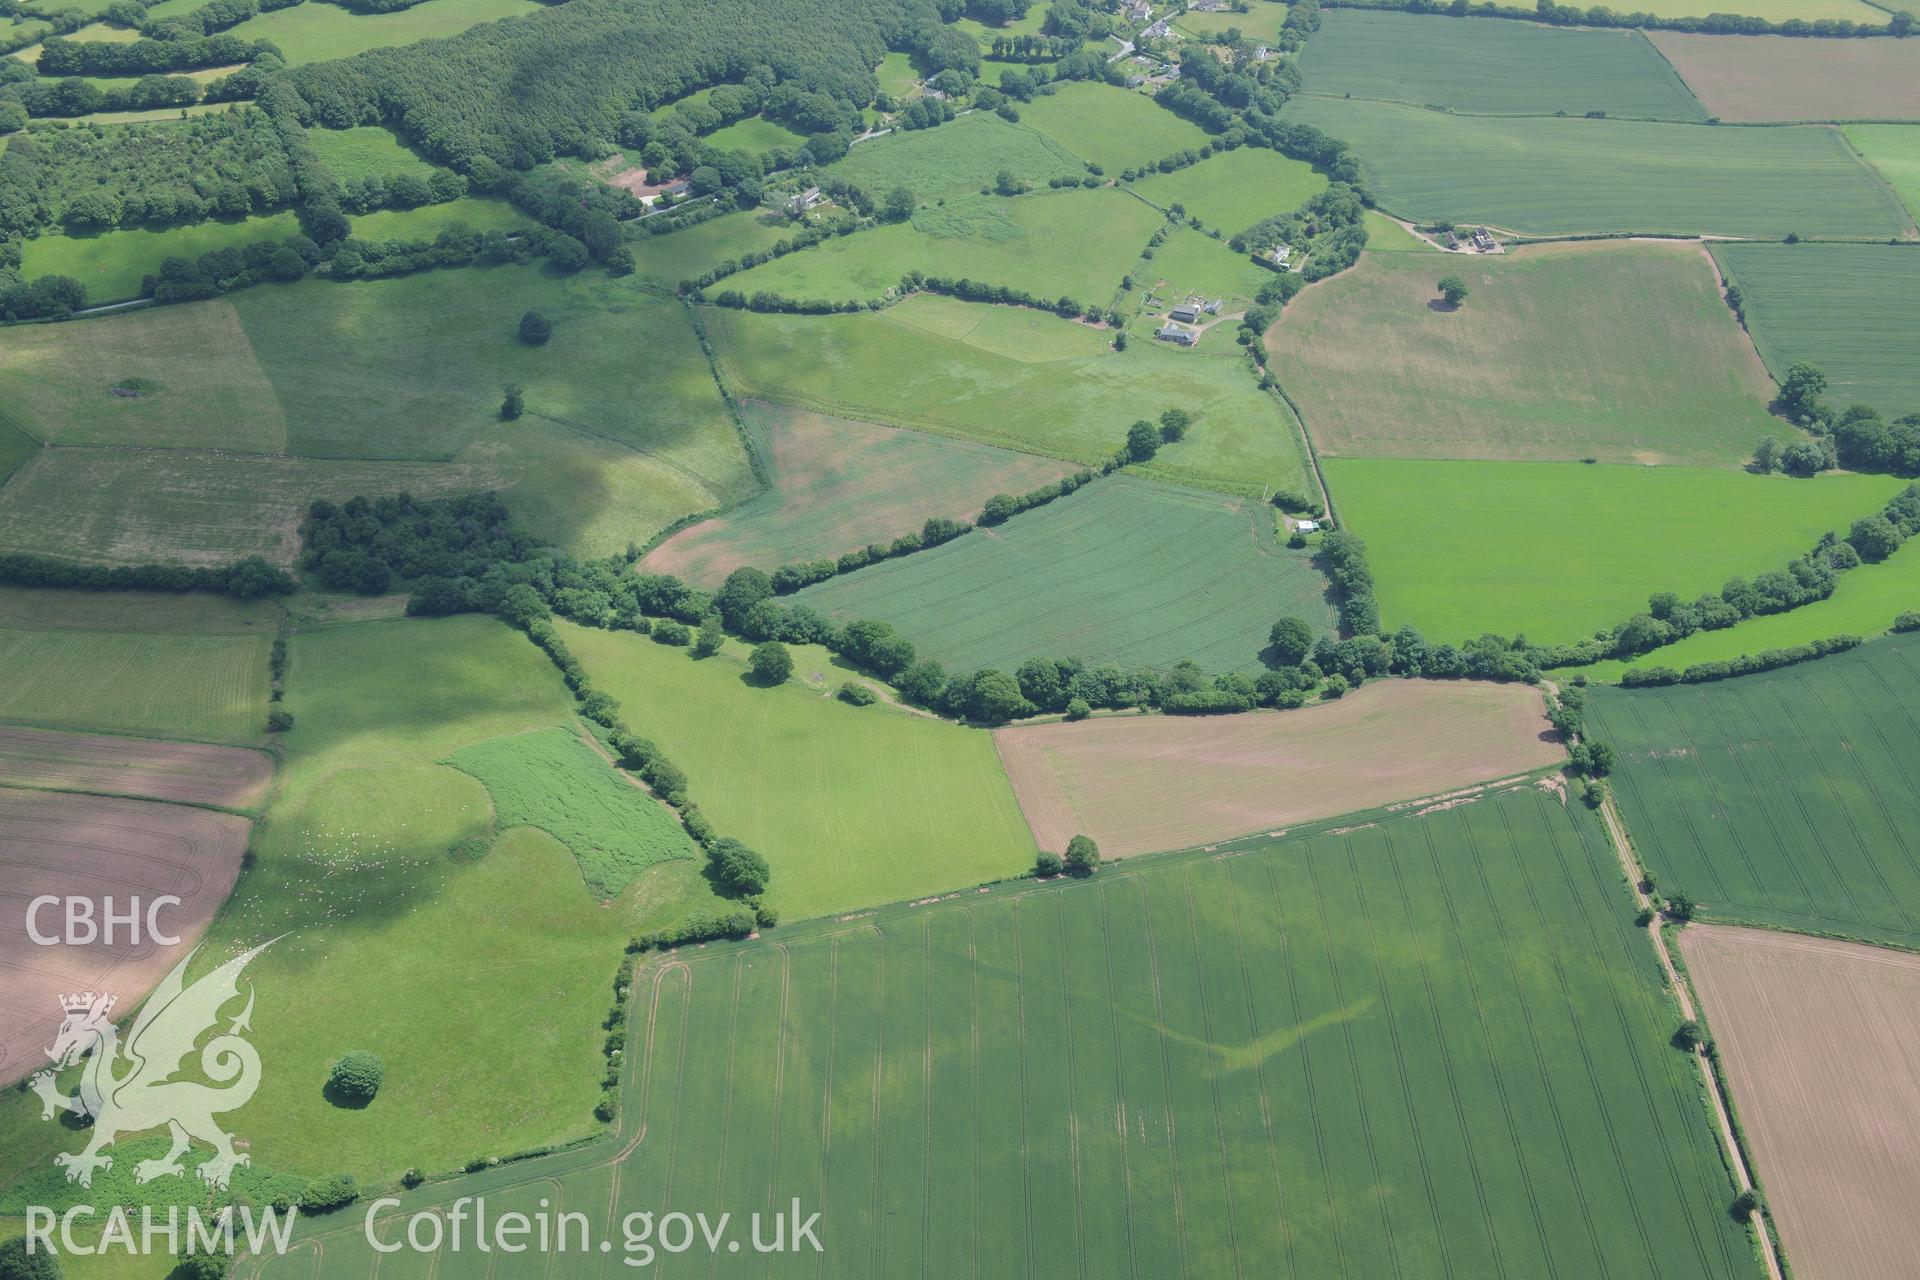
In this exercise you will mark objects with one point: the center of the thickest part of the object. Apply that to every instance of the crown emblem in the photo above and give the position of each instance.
(85, 1001)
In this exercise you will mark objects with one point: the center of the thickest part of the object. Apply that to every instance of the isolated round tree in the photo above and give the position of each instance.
(534, 329)
(356, 1077)
(1083, 855)
(1292, 640)
(771, 662)
(1453, 289)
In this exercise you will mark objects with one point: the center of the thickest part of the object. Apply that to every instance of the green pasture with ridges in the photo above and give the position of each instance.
(1237, 1064)
(190, 686)
(1783, 799)
(961, 156)
(1851, 310)
(1493, 65)
(1558, 176)
(1076, 244)
(1113, 128)
(1017, 378)
(1124, 570)
(1555, 550)
(1619, 351)
(1231, 190)
(851, 806)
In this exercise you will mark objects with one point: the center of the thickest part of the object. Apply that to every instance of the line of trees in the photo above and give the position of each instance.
(1749, 664)
(1899, 24)
(1855, 437)
(63, 57)
(247, 579)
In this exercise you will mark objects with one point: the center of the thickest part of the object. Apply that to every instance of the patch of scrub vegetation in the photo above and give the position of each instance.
(837, 485)
(961, 156)
(110, 265)
(1111, 127)
(852, 806)
(1849, 310)
(901, 366)
(322, 32)
(1123, 571)
(1610, 350)
(552, 779)
(1555, 550)
(1494, 66)
(1781, 799)
(1194, 996)
(1557, 176)
(1894, 150)
(1016, 244)
(1231, 190)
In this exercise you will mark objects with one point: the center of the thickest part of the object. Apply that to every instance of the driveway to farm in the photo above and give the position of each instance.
(1635, 875)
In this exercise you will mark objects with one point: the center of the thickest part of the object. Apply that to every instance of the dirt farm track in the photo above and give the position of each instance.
(1817, 1039)
(95, 847)
(1141, 784)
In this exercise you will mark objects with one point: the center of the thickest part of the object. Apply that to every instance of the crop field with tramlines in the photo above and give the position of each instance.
(1782, 799)
(1122, 571)
(1558, 176)
(1198, 1067)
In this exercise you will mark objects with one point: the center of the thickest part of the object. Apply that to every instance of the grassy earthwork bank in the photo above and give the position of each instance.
(1609, 350)
(1851, 310)
(1493, 66)
(946, 1083)
(1017, 378)
(852, 806)
(1560, 176)
(1781, 799)
(1124, 570)
(1554, 550)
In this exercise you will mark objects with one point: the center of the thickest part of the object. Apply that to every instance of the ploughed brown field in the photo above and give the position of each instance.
(188, 772)
(1141, 784)
(94, 847)
(1818, 1040)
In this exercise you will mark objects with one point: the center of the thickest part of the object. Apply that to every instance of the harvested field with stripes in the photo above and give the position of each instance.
(1784, 799)
(184, 772)
(1210, 1066)
(94, 847)
(1817, 1040)
(1776, 78)
(1143, 784)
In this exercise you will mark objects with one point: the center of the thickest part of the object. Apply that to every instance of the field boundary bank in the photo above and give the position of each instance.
(1679, 984)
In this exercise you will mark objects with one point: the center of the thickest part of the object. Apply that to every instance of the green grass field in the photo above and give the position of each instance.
(1261, 23)
(1189, 262)
(961, 156)
(1782, 799)
(393, 945)
(1771, 10)
(1494, 66)
(1555, 550)
(1431, 1046)
(365, 151)
(1384, 235)
(1864, 603)
(1110, 127)
(681, 255)
(1020, 243)
(754, 135)
(110, 264)
(835, 485)
(553, 780)
(476, 213)
(1610, 350)
(144, 670)
(1850, 309)
(896, 75)
(1016, 378)
(1894, 150)
(16, 446)
(1123, 571)
(1553, 176)
(319, 32)
(852, 806)
(1232, 190)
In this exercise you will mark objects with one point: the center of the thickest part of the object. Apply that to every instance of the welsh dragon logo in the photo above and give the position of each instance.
(128, 1088)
